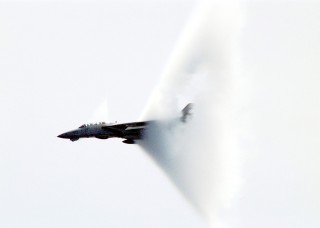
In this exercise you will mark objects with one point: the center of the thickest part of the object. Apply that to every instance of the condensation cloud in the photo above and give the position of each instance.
(200, 156)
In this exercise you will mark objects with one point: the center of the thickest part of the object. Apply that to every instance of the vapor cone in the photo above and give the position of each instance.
(101, 113)
(200, 156)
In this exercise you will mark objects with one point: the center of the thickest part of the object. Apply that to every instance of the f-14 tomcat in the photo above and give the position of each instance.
(130, 132)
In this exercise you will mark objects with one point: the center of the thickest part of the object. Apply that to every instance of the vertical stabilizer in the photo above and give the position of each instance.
(186, 112)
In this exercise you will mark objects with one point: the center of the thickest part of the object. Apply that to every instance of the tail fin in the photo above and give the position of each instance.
(186, 112)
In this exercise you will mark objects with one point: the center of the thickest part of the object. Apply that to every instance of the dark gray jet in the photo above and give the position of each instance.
(130, 132)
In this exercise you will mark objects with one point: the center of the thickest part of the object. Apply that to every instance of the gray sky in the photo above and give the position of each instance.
(60, 61)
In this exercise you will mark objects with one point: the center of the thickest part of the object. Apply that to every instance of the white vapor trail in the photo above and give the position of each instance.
(201, 156)
(101, 113)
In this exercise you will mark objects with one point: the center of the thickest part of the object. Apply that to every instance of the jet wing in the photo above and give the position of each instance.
(116, 130)
(123, 129)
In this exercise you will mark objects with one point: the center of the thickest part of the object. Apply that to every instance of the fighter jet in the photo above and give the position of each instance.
(130, 132)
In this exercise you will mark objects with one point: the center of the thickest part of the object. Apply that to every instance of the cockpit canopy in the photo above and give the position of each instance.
(91, 124)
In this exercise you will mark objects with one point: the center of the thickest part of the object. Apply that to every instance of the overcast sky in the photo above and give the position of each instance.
(60, 61)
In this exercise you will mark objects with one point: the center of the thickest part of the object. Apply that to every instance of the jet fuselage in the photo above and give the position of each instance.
(130, 132)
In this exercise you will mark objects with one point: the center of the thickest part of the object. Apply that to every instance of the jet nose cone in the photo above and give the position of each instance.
(63, 136)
